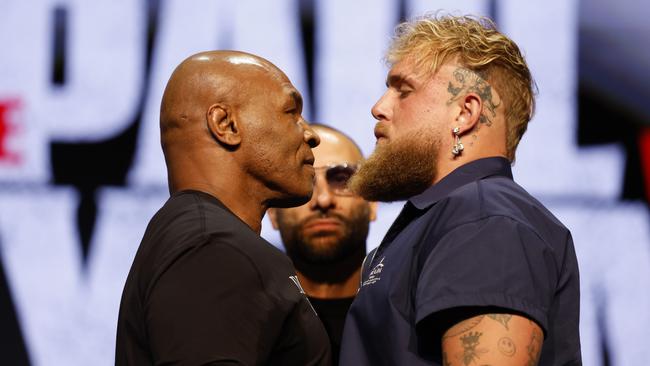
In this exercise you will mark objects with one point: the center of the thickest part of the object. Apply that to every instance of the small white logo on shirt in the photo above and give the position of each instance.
(374, 274)
(296, 282)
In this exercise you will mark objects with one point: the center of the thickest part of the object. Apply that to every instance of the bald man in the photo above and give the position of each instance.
(326, 237)
(204, 287)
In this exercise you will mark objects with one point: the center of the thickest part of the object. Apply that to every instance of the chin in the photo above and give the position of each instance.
(289, 202)
(325, 243)
(292, 199)
(292, 192)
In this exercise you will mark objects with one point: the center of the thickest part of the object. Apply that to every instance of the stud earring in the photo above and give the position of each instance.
(458, 146)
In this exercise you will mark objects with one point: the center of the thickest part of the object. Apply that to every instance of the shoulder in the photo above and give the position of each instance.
(217, 260)
(498, 214)
(192, 227)
(259, 254)
(221, 262)
(500, 201)
(191, 218)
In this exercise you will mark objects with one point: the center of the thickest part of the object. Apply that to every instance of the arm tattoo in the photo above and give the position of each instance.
(470, 352)
(534, 347)
(463, 327)
(501, 318)
(474, 82)
(507, 346)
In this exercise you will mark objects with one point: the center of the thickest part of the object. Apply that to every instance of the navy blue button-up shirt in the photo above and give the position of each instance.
(474, 240)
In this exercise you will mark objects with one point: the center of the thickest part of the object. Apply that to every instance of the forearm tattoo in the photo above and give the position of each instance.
(471, 352)
(534, 347)
(468, 81)
(506, 346)
(501, 318)
(463, 327)
(471, 323)
(472, 344)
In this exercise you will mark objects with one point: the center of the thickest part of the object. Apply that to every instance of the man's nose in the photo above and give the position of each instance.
(311, 137)
(323, 198)
(380, 110)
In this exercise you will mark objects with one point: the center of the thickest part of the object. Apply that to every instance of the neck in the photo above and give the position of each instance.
(447, 165)
(480, 142)
(325, 290)
(235, 190)
(332, 280)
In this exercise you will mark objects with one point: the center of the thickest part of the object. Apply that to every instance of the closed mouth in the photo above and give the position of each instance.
(322, 223)
(379, 134)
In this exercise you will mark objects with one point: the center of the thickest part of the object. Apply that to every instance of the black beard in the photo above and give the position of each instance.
(335, 272)
(398, 170)
(343, 258)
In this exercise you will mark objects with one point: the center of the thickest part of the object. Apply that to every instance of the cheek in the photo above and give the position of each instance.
(287, 138)
(271, 151)
(354, 207)
(408, 111)
(417, 115)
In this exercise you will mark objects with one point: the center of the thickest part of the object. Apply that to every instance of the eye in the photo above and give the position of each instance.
(293, 109)
(404, 91)
(338, 176)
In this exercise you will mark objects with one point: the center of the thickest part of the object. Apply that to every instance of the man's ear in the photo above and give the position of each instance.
(223, 126)
(273, 216)
(469, 115)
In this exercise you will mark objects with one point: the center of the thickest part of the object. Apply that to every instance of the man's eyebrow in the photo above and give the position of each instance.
(397, 79)
(297, 98)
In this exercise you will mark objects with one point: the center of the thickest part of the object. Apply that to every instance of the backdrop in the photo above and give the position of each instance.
(81, 169)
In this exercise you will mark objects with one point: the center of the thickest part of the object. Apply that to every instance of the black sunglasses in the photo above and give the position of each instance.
(337, 177)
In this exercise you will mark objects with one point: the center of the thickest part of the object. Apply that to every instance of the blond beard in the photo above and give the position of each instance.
(399, 169)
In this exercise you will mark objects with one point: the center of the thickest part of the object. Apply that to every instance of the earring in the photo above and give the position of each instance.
(458, 146)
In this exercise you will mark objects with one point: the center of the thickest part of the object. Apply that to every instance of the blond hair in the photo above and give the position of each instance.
(476, 44)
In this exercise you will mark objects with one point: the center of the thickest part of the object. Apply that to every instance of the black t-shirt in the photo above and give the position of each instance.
(204, 289)
(332, 313)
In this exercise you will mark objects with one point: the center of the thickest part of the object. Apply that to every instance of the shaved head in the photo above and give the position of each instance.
(209, 77)
(231, 124)
(332, 135)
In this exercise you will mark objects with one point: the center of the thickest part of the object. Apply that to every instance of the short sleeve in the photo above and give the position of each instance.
(493, 262)
(209, 307)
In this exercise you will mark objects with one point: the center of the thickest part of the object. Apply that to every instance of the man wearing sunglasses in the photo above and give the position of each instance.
(326, 237)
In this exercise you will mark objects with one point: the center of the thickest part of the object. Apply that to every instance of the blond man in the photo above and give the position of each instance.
(474, 271)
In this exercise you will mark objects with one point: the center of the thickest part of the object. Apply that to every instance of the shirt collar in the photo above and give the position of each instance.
(470, 172)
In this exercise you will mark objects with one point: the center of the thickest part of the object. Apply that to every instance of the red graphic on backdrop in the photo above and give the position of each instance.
(8, 127)
(644, 150)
